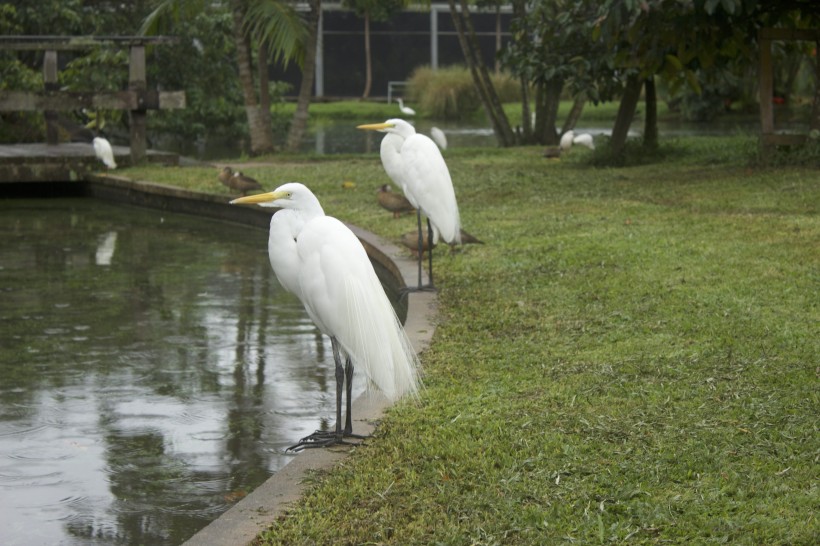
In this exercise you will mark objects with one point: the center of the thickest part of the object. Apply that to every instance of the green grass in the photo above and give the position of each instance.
(632, 357)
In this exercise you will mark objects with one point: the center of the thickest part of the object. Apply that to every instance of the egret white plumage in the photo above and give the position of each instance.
(318, 258)
(584, 139)
(104, 152)
(406, 110)
(438, 137)
(566, 140)
(415, 164)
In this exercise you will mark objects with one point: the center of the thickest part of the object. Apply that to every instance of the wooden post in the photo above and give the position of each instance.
(137, 82)
(50, 84)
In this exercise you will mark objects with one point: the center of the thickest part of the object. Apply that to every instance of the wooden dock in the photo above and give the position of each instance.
(68, 162)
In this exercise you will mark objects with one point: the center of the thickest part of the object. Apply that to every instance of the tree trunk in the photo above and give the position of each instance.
(264, 91)
(574, 113)
(526, 116)
(626, 111)
(650, 126)
(478, 70)
(552, 99)
(298, 124)
(814, 121)
(261, 139)
(368, 77)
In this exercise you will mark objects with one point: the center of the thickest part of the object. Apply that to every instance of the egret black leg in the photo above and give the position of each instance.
(430, 252)
(421, 243)
(422, 287)
(344, 382)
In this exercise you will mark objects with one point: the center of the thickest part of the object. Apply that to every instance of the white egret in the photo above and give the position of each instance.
(104, 152)
(406, 110)
(584, 140)
(414, 163)
(235, 180)
(566, 140)
(439, 137)
(318, 258)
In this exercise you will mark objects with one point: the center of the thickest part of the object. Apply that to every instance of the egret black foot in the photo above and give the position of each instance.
(322, 438)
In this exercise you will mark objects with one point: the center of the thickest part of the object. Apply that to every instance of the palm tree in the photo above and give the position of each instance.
(273, 25)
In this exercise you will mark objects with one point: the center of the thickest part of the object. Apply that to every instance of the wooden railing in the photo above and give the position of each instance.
(137, 99)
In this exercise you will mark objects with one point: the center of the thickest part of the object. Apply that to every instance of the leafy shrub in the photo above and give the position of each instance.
(449, 93)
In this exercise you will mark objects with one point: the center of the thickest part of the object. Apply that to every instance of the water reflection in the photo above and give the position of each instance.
(151, 372)
(342, 137)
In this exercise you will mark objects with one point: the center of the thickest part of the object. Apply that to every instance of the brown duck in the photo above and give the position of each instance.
(411, 241)
(393, 202)
(235, 180)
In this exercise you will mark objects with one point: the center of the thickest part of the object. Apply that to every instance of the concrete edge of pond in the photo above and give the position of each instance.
(241, 524)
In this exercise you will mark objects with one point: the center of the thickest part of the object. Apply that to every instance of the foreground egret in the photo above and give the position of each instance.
(414, 163)
(318, 258)
(406, 110)
(104, 152)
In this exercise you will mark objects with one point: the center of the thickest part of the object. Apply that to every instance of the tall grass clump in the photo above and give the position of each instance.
(449, 93)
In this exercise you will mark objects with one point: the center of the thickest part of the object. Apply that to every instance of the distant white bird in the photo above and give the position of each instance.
(584, 140)
(318, 258)
(104, 152)
(566, 140)
(406, 110)
(439, 137)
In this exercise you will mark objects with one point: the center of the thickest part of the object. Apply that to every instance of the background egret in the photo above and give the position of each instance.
(406, 110)
(104, 152)
(414, 163)
(584, 139)
(439, 137)
(318, 258)
(566, 140)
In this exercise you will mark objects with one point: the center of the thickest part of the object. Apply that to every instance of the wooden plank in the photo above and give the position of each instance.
(74, 43)
(11, 101)
(138, 119)
(50, 83)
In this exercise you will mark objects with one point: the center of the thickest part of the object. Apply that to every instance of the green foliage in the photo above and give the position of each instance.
(449, 92)
(204, 68)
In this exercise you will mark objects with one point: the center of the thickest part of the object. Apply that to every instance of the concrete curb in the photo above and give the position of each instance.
(245, 520)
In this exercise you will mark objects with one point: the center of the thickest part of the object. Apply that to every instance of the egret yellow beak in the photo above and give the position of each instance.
(260, 198)
(375, 126)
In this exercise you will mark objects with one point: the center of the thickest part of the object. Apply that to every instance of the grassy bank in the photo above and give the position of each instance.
(631, 357)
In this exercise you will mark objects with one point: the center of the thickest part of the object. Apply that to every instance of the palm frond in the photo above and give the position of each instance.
(280, 27)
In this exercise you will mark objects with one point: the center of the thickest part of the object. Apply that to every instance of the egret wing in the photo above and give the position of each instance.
(429, 181)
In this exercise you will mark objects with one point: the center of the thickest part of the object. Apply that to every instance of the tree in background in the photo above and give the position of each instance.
(299, 122)
(551, 51)
(276, 30)
(372, 10)
(481, 76)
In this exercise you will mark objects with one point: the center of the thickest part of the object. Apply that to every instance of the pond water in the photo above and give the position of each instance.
(152, 371)
(342, 137)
